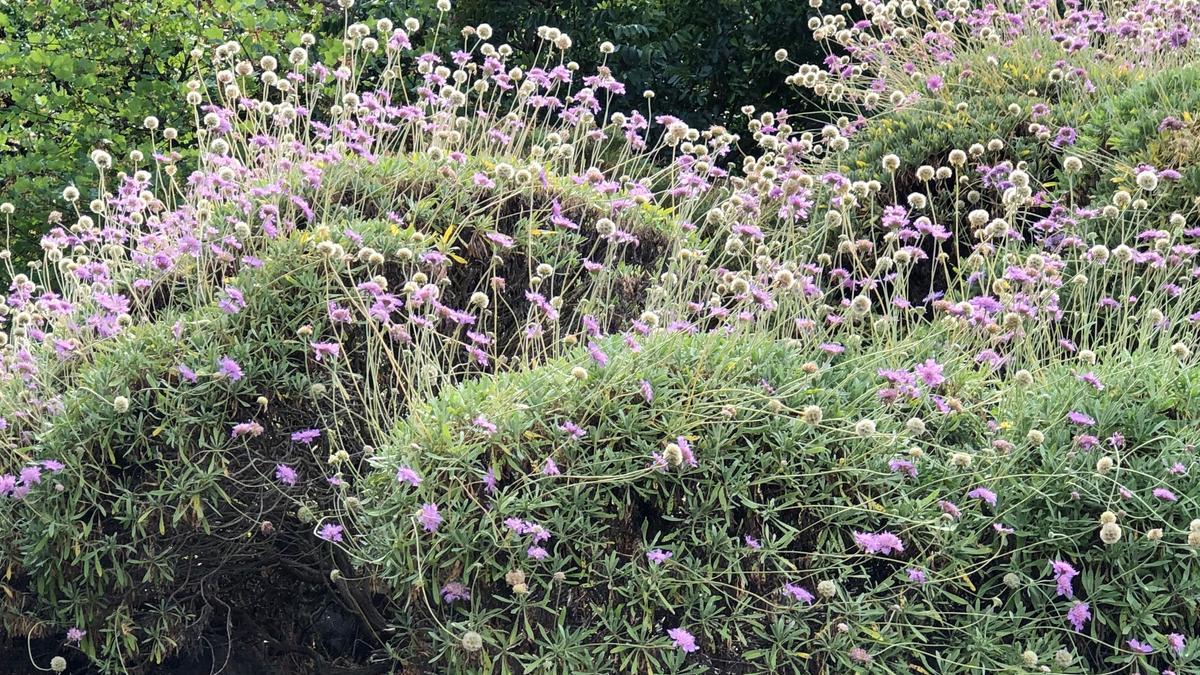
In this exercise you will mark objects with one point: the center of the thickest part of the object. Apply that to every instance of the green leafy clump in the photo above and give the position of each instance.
(175, 503)
(755, 548)
(1156, 122)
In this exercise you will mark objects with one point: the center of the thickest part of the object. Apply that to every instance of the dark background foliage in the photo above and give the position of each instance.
(82, 74)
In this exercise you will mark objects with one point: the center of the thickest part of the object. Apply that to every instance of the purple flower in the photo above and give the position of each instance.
(306, 436)
(1139, 646)
(917, 576)
(658, 556)
(233, 302)
(799, 593)
(407, 475)
(483, 424)
(247, 429)
(285, 474)
(1165, 494)
(683, 639)
(31, 475)
(1063, 574)
(1079, 613)
(1090, 378)
(930, 373)
(753, 543)
(550, 467)
(903, 466)
(52, 465)
(324, 349)
(573, 429)
(984, 494)
(331, 532)
(882, 542)
(454, 591)
(1177, 643)
(187, 373)
(537, 553)
(647, 391)
(75, 635)
(685, 449)
(429, 517)
(950, 509)
(230, 368)
(598, 356)
(1076, 417)
(1001, 528)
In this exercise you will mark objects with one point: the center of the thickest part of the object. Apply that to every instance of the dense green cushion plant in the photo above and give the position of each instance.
(754, 549)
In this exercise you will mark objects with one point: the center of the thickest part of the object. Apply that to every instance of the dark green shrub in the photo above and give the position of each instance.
(597, 602)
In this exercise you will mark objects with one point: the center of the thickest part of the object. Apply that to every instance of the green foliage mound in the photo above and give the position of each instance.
(578, 552)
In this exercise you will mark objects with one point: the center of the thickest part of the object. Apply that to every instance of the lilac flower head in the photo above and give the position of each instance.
(658, 556)
(983, 494)
(75, 635)
(31, 475)
(1165, 495)
(429, 517)
(405, 474)
(1177, 643)
(321, 350)
(1076, 417)
(1063, 574)
(683, 639)
(1139, 646)
(285, 474)
(916, 576)
(903, 466)
(306, 436)
(1079, 613)
(230, 368)
(799, 593)
(331, 533)
(455, 591)
(881, 543)
(930, 373)
(483, 424)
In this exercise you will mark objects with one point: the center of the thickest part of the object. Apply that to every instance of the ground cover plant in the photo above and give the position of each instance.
(427, 357)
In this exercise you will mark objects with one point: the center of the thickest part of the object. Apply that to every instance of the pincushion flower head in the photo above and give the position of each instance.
(1079, 614)
(883, 543)
(285, 474)
(682, 639)
(658, 556)
(1063, 574)
(331, 532)
(983, 494)
(798, 593)
(1076, 417)
(406, 474)
(229, 368)
(429, 517)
